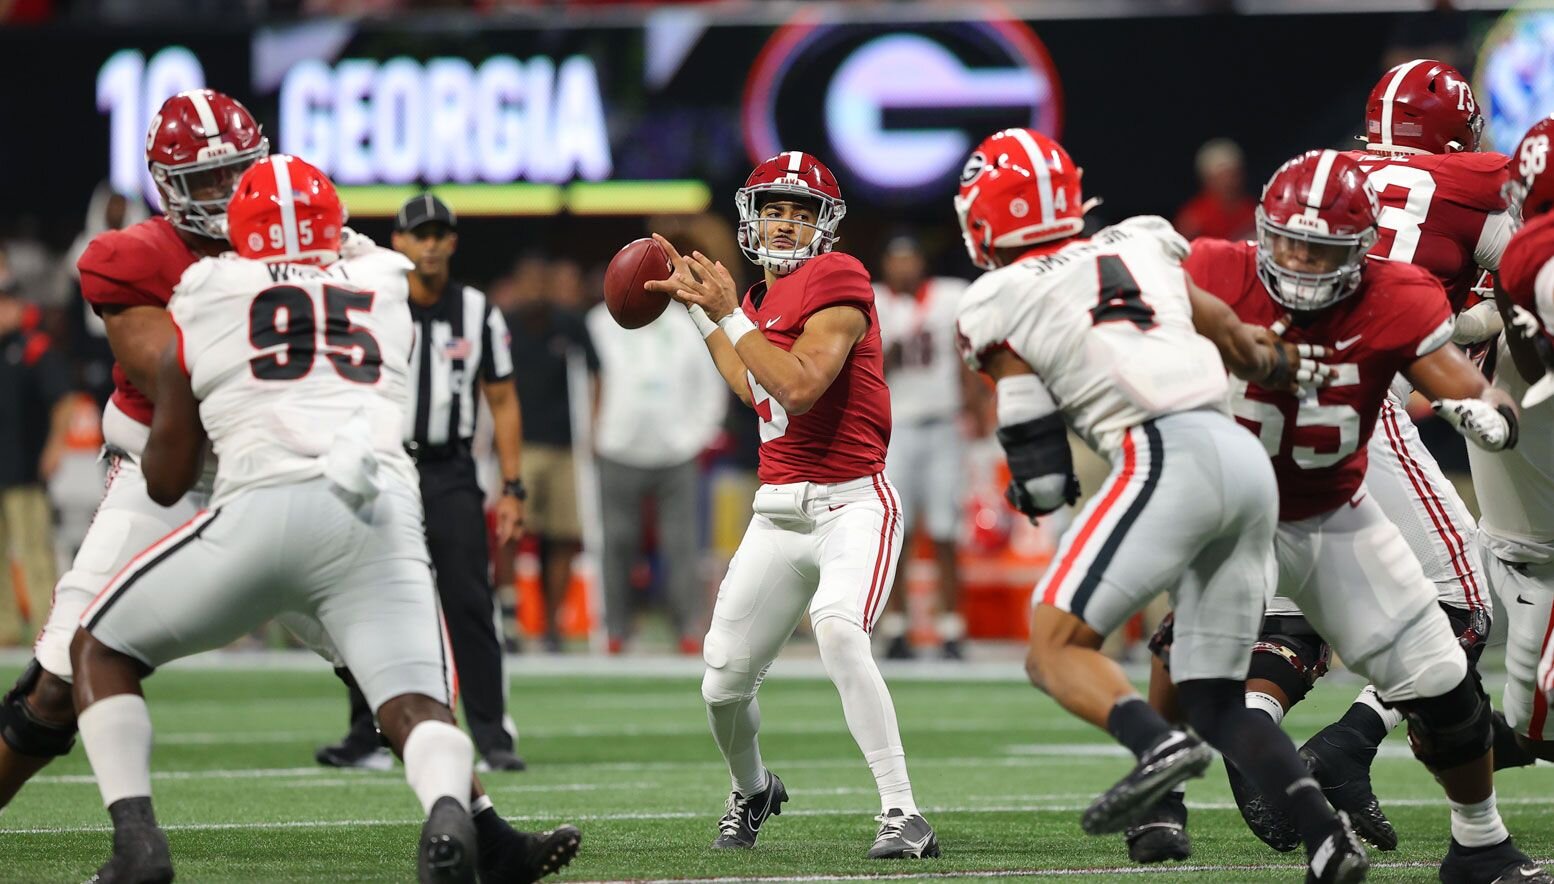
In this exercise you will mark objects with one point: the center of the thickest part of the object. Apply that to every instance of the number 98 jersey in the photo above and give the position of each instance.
(1107, 324)
(1318, 442)
(286, 357)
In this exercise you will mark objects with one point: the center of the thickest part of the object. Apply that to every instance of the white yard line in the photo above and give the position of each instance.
(710, 814)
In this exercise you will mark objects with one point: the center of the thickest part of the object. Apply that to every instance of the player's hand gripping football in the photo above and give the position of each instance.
(697, 281)
(1294, 368)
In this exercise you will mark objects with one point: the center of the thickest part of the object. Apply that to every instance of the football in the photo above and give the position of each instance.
(637, 263)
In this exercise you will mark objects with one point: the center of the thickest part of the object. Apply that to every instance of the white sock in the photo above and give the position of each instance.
(1478, 824)
(734, 729)
(866, 703)
(1265, 703)
(480, 805)
(439, 761)
(117, 735)
(1391, 718)
(952, 626)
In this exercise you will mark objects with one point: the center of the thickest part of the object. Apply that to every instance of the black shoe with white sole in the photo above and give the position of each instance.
(742, 823)
(904, 836)
(1162, 834)
(1176, 758)
(448, 853)
(1501, 863)
(1340, 857)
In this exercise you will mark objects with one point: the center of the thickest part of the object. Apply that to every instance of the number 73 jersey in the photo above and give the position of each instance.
(1318, 442)
(285, 358)
(1106, 323)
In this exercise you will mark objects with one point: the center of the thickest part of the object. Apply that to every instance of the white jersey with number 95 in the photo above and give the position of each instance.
(1107, 324)
(295, 363)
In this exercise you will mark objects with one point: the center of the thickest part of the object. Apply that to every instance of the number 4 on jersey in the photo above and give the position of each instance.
(1120, 300)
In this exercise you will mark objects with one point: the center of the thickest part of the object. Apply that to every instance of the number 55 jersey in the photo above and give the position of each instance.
(1318, 443)
(296, 364)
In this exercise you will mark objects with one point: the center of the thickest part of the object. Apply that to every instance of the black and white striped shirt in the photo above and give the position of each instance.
(457, 339)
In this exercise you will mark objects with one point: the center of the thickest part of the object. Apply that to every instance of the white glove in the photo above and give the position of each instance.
(353, 244)
(1523, 320)
(1484, 425)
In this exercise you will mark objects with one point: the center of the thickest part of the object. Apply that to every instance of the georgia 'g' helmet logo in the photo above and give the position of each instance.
(974, 166)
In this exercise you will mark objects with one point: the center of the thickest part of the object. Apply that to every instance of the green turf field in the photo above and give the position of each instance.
(1000, 771)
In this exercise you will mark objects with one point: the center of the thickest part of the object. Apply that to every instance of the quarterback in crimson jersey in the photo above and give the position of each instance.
(1342, 564)
(803, 349)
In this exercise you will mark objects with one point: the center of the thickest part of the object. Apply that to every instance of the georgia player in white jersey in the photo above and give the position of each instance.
(926, 457)
(1516, 488)
(1103, 336)
(294, 364)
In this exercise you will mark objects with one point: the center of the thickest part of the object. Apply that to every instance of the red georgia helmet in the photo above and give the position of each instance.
(1320, 197)
(1018, 188)
(1422, 106)
(286, 210)
(797, 174)
(200, 141)
(1531, 187)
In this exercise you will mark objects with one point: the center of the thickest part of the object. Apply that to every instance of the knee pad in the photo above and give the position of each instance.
(1290, 654)
(1451, 729)
(728, 678)
(23, 731)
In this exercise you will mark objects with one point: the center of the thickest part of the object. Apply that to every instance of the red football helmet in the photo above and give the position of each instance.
(1323, 199)
(286, 210)
(1422, 106)
(1531, 188)
(1018, 188)
(199, 143)
(792, 174)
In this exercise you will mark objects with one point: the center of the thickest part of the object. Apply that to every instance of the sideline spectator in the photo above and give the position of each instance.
(662, 403)
(1222, 208)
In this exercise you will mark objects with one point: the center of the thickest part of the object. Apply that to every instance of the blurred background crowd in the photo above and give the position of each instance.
(656, 111)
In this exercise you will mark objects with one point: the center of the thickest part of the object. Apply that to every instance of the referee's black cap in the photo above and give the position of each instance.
(424, 209)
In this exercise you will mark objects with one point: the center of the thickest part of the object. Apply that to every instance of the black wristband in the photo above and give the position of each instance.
(514, 488)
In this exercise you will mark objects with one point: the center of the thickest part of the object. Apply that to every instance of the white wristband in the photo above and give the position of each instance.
(736, 325)
(703, 324)
(1021, 398)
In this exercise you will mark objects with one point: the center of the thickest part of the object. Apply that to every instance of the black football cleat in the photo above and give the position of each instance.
(449, 852)
(742, 823)
(1161, 834)
(904, 836)
(899, 649)
(1272, 827)
(953, 650)
(1339, 859)
(501, 759)
(524, 857)
(1176, 758)
(140, 856)
(354, 753)
(1499, 863)
(1340, 758)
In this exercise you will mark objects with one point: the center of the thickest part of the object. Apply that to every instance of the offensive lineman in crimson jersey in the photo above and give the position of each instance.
(1516, 488)
(1342, 563)
(1106, 336)
(1441, 209)
(803, 349)
(199, 144)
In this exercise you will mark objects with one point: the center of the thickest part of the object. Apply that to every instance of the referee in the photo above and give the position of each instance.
(459, 338)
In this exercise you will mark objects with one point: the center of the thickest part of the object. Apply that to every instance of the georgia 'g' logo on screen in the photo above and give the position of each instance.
(894, 109)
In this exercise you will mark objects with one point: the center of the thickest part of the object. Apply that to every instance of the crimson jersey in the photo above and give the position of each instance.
(1443, 212)
(845, 434)
(1318, 444)
(136, 266)
(1527, 271)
